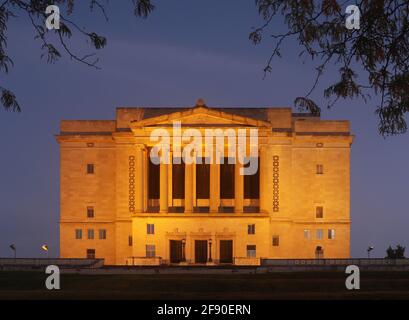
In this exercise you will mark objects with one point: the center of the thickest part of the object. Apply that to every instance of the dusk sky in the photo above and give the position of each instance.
(184, 51)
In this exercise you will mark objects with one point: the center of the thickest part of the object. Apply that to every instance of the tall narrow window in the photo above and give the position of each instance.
(78, 234)
(130, 240)
(319, 212)
(251, 229)
(150, 228)
(178, 178)
(251, 251)
(202, 179)
(102, 234)
(307, 234)
(153, 181)
(227, 179)
(90, 168)
(320, 169)
(331, 234)
(276, 241)
(150, 251)
(320, 234)
(252, 182)
(90, 212)
(90, 234)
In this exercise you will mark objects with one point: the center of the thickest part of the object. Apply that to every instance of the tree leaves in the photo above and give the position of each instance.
(379, 50)
(33, 11)
(143, 8)
(305, 104)
(9, 101)
(98, 41)
(398, 253)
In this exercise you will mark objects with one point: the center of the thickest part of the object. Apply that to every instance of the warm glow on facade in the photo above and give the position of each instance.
(118, 205)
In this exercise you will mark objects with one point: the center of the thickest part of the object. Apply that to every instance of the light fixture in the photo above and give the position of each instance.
(45, 248)
(370, 248)
(13, 247)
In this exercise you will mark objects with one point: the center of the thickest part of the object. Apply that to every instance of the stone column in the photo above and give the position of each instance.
(238, 188)
(139, 178)
(189, 187)
(163, 201)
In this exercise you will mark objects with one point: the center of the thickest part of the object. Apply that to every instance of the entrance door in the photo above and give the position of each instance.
(319, 253)
(176, 254)
(200, 251)
(226, 251)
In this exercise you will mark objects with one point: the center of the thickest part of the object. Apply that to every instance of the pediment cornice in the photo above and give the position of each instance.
(198, 116)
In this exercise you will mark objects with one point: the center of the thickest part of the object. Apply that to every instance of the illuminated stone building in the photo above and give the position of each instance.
(117, 204)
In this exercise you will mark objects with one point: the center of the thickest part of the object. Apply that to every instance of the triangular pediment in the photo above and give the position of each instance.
(200, 116)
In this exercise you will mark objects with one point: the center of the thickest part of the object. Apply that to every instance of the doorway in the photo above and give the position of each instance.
(226, 251)
(319, 253)
(176, 251)
(200, 251)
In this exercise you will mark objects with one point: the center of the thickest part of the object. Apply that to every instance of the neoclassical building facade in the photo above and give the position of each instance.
(118, 203)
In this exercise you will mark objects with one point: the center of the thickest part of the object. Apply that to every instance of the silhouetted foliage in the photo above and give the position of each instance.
(398, 253)
(378, 51)
(53, 48)
(371, 61)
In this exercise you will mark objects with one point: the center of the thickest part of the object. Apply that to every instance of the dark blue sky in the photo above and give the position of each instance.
(185, 50)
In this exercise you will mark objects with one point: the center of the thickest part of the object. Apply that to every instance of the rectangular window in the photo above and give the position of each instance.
(319, 212)
(276, 241)
(102, 234)
(252, 182)
(227, 179)
(90, 212)
(320, 169)
(150, 228)
(78, 234)
(251, 229)
(130, 241)
(251, 251)
(331, 234)
(150, 251)
(307, 234)
(178, 178)
(90, 253)
(153, 178)
(202, 179)
(90, 233)
(90, 168)
(320, 234)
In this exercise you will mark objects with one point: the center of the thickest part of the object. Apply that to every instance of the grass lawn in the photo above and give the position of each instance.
(280, 285)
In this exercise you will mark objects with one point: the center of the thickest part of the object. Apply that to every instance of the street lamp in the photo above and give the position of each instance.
(210, 250)
(13, 247)
(370, 248)
(45, 248)
(183, 250)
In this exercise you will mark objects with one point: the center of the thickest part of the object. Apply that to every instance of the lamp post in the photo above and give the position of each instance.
(370, 248)
(183, 250)
(13, 247)
(45, 248)
(210, 250)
